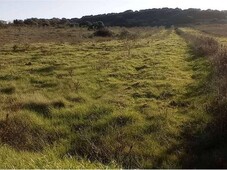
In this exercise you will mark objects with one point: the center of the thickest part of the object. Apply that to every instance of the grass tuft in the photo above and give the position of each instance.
(8, 90)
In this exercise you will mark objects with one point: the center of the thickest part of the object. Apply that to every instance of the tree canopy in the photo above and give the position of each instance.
(129, 18)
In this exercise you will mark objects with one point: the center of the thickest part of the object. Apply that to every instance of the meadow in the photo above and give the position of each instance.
(143, 98)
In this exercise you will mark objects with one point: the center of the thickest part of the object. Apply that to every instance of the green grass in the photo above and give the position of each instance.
(48, 159)
(101, 104)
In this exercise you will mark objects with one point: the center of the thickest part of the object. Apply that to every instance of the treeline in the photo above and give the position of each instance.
(159, 17)
(45, 22)
(149, 17)
(56, 22)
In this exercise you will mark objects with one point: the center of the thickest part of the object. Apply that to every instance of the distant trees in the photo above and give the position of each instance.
(158, 17)
(31, 22)
(2, 23)
(54, 22)
(99, 25)
(150, 17)
(85, 24)
(17, 22)
(36, 22)
(96, 25)
(44, 22)
(92, 26)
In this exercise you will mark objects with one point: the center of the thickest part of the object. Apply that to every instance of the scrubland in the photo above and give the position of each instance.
(144, 98)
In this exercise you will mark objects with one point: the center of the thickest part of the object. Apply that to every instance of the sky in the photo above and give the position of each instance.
(21, 9)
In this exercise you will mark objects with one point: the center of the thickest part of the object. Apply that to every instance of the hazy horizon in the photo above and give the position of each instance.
(22, 9)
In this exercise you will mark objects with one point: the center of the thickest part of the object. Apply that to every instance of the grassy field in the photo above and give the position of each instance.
(86, 102)
(214, 29)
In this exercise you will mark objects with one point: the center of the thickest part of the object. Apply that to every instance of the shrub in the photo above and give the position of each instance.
(125, 34)
(18, 22)
(104, 32)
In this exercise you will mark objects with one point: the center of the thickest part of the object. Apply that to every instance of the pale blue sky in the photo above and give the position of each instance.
(21, 9)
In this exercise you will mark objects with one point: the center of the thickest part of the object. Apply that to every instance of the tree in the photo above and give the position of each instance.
(31, 22)
(2, 23)
(85, 24)
(100, 25)
(44, 22)
(18, 22)
(64, 22)
(96, 26)
(54, 21)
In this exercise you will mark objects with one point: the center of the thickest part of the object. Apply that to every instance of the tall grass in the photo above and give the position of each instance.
(212, 139)
(201, 45)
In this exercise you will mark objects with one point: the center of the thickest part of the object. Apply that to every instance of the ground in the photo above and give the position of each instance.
(101, 102)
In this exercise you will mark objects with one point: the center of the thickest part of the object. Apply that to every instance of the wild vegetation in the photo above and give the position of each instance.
(208, 145)
(137, 98)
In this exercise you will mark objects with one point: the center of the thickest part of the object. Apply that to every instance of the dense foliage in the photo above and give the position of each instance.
(129, 18)
(158, 17)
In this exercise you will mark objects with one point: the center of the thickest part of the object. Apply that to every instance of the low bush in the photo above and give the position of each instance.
(104, 32)
(125, 34)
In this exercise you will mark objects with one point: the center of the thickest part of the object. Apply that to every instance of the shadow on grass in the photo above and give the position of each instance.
(41, 108)
(203, 137)
(8, 90)
(206, 147)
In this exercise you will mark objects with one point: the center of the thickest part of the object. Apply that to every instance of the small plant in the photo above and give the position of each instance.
(15, 48)
(75, 85)
(129, 40)
(71, 72)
